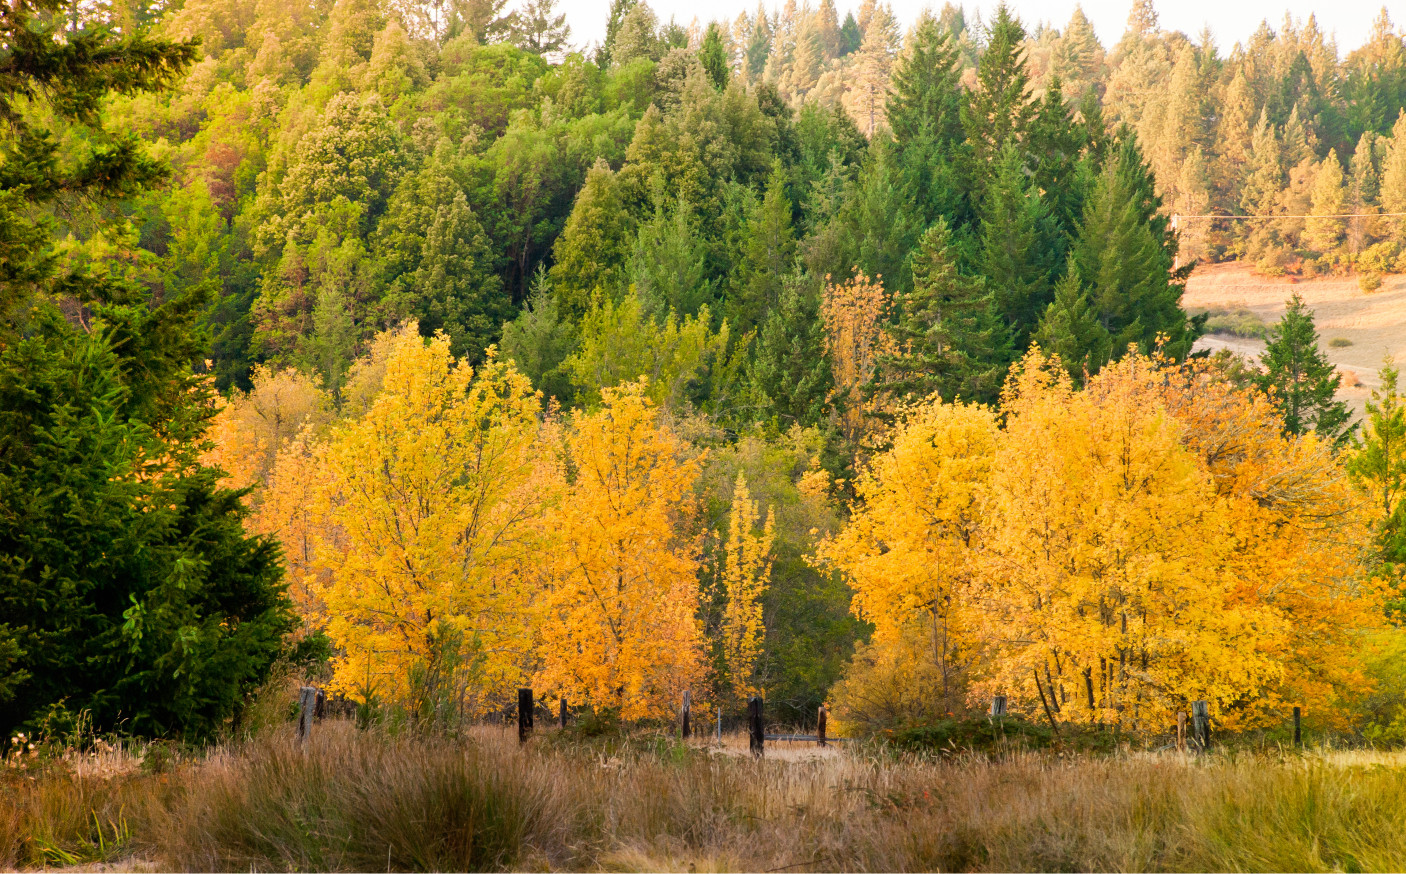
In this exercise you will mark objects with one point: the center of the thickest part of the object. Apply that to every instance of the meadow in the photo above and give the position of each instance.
(372, 799)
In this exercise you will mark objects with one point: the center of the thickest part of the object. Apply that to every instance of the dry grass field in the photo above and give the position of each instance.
(1373, 323)
(370, 801)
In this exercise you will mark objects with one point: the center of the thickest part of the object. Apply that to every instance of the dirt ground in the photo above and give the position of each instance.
(1375, 323)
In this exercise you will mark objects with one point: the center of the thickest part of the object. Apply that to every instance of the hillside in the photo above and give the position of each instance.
(1375, 323)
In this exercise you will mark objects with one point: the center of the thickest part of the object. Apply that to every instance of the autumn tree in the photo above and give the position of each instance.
(855, 342)
(432, 502)
(746, 566)
(618, 591)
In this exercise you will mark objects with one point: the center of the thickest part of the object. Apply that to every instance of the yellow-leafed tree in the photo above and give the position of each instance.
(432, 503)
(746, 567)
(618, 607)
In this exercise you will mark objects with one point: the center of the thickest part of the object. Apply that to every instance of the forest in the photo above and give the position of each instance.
(413, 350)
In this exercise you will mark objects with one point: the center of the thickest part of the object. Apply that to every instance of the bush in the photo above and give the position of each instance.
(1369, 282)
(1339, 342)
(1379, 258)
(1239, 322)
(888, 686)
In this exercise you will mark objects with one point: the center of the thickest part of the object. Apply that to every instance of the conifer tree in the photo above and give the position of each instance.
(1329, 199)
(789, 376)
(1017, 252)
(592, 249)
(1300, 381)
(999, 110)
(925, 115)
(713, 56)
(948, 338)
(769, 255)
(1071, 329)
(1377, 463)
(1393, 190)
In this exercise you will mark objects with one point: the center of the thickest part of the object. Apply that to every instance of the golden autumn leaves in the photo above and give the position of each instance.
(1110, 554)
(454, 542)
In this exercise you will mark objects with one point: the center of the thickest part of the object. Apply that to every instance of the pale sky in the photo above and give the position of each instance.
(1231, 21)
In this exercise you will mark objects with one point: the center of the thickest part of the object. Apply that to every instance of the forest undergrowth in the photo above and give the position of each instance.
(361, 800)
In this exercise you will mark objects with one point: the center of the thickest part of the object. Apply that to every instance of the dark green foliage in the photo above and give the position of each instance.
(713, 56)
(1299, 379)
(1018, 247)
(999, 111)
(951, 341)
(851, 37)
(789, 373)
(925, 115)
(1071, 329)
(127, 584)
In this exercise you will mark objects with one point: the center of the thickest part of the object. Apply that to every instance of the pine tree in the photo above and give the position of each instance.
(1393, 190)
(999, 110)
(789, 375)
(769, 256)
(925, 115)
(129, 590)
(1377, 463)
(1122, 257)
(534, 28)
(592, 249)
(1363, 189)
(949, 339)
(1071, 329)
(713, 56)
(1299, 379)
(1078, 57)
(1329, 199)
(1017, 252)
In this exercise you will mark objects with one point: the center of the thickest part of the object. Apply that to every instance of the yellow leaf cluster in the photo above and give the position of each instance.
(746, 568)
(1111, 554)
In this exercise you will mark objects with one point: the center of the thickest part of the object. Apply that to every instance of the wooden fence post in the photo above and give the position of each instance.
(998, 707)
(821, 718)
(755, 726)
(562, 717)
(1181, 730)
(320, 708)
(1298, 735)
(685, 713)
(720, 725)
(307, 701)
(524, 714)
(1201, 725)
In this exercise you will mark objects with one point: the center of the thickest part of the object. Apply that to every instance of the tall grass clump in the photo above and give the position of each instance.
(353, 801)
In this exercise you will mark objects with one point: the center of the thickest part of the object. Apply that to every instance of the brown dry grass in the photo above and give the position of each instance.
(1374, 322)
(367, 801)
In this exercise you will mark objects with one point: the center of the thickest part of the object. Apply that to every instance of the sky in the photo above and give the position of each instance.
(1231, 21)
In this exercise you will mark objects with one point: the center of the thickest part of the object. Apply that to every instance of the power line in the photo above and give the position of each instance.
(1244, 218)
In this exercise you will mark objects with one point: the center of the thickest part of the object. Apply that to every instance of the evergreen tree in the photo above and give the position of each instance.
(999, 110)
(1329, 199)
(1071, 329)
(1124, 265)
(1300, 381)
(667, 266)
(618, 10)
(925, 115)
(593, 247)
(128, 587)
(769, 256)
(1377, 463)
(949, 338)
(1017, 251)
(713, 55)
(538, 28)
(789, 377)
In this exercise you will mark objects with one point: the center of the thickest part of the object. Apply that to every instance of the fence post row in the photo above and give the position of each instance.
(524, 714)
(309, 708)
(684, 714)
(1201, 725)
(754, 724)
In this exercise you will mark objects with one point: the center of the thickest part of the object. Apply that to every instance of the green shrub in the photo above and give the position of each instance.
(1369, 282)
(1239, 322)
(1339, 342)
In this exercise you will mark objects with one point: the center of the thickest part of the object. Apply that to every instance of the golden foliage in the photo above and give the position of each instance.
(746, 567)
(252, 427)
(855, 339)
(620, 586)
(1119, 551)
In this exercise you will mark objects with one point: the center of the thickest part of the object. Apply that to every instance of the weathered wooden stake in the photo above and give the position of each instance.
(685, 713)
(755, 727)
(1181, 730)
(820, 719)
(998, 707)
(562, 717)
(524, 715)
(720, 725)
(1298, 734)
(1201, 725)
(307, 701)
(320, 707)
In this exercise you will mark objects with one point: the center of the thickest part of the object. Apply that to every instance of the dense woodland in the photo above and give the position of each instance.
(412, 347)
